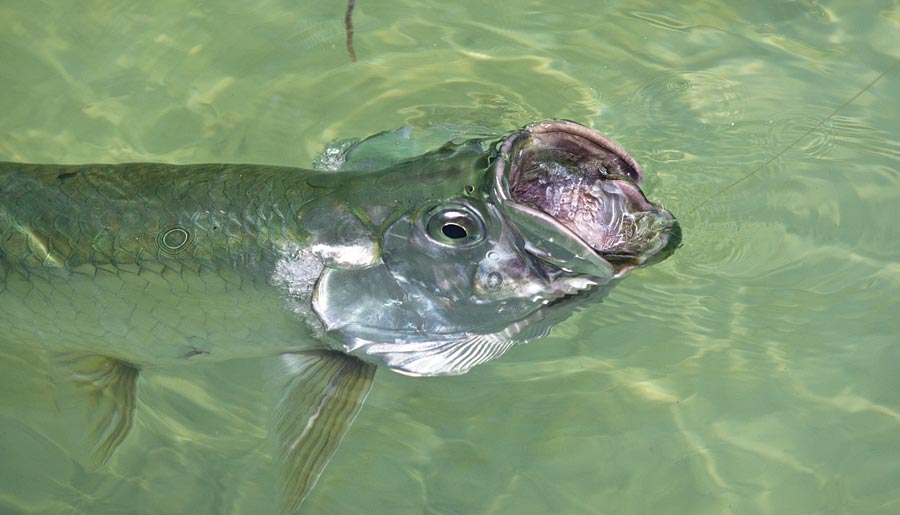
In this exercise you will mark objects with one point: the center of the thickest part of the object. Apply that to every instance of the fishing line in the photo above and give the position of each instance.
(794, 143)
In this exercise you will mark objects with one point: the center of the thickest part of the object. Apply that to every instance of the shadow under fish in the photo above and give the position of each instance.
(424, 264)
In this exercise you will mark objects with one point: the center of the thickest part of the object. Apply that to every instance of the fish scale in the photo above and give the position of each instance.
(426, 265)
(106, 253)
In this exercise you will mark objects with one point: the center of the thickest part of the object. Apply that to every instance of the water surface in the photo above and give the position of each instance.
(755, 372)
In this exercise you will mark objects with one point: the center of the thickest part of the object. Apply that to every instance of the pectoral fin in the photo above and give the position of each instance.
(112, 386)
(325, 392)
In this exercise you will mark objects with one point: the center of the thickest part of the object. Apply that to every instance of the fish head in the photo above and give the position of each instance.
(467, 267)
(460, 279)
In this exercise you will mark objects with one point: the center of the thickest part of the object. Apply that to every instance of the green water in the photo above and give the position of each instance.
(755, 372)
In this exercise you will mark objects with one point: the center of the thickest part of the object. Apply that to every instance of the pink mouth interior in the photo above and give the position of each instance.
(589, 185)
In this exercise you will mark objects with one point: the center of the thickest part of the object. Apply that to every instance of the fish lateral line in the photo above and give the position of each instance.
(794, 143)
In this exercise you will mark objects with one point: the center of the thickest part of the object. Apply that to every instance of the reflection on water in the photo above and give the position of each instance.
(753, 372)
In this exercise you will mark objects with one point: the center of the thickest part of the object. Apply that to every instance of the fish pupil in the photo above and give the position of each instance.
(454, 231)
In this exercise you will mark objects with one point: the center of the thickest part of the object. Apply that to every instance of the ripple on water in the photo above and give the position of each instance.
(854, 134)
(446, 86)
(583, 95)
(658, 19)
(711, 94)
(774, 134)
(323, 33)
(663, 155)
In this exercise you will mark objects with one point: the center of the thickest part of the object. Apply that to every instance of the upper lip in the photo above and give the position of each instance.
(632, 169)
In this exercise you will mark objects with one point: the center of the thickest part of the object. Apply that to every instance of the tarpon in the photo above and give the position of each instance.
(425, 265)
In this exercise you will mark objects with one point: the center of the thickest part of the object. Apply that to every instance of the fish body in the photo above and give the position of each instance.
(107, 258)
(425, 265)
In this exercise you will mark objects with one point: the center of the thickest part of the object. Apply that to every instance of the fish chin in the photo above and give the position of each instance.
(576, 197)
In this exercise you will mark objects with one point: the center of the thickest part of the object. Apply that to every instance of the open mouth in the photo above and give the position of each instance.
(576, 197)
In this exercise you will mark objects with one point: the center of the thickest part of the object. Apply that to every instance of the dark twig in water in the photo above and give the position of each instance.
(348, 26)
(794, 143)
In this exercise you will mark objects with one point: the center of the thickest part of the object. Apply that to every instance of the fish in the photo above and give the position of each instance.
(424, 264)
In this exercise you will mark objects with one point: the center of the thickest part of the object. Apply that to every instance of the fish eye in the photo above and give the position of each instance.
(454, 225)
